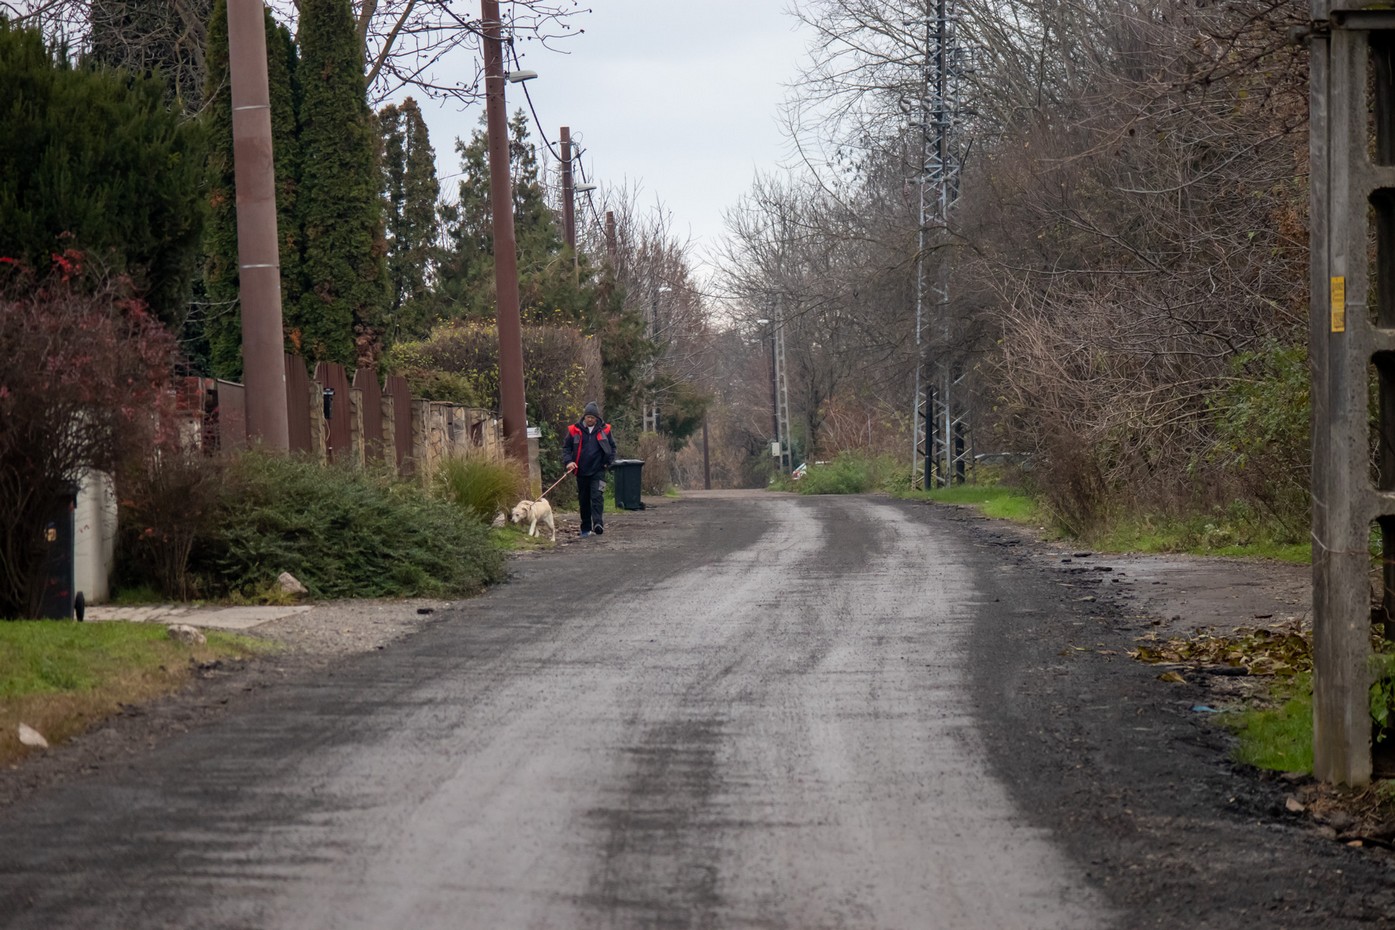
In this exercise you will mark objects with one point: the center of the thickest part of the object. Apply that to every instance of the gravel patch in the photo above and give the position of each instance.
(335, 629)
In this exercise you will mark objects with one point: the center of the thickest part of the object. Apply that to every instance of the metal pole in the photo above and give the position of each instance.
(258, 255)
(774, 390)
(650, 414)
(785, 427)
(505, 244)
(921, 422)
(947, 395)
(706, 466)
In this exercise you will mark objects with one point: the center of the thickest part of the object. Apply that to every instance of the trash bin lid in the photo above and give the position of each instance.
(628, 462)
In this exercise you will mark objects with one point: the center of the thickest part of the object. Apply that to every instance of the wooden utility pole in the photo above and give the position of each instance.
(1352, 350)
(258, 251)
(505, 242)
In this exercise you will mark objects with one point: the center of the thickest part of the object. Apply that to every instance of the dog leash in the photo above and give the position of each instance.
(554, 484)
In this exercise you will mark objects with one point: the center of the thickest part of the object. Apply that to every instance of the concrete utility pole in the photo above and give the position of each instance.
(568, 195)
(610, 243)
(1351, 342)
(505, 242)
(258, 251)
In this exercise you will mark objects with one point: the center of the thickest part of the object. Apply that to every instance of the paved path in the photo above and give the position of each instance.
(212, 617)
(750, 713)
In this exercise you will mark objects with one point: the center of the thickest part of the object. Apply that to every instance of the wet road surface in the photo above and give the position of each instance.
(731, 711)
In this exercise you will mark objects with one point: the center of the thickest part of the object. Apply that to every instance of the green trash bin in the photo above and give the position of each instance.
(626, 473)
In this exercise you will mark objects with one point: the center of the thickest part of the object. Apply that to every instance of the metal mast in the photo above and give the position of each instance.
(940, 452)
(782, 392)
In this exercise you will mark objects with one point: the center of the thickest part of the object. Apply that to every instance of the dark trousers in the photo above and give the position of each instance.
(590, 492)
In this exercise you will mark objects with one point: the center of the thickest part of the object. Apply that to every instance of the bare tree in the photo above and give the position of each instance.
(1130, 232)
(834, 274)
(407, 44)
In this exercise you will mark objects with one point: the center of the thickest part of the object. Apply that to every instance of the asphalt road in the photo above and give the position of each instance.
(735, 711)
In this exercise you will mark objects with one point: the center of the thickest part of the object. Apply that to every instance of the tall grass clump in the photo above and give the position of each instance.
(849, 473)
(480, 487)
(342, 533)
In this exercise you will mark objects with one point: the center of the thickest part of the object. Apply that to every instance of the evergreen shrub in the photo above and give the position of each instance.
(97, 160)
(342, 533)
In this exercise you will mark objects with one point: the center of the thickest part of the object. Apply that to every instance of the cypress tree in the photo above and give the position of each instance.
(411, 193)
(97, 161)
(222, 326)
(466, 287)
(546, 280)
(340, 316)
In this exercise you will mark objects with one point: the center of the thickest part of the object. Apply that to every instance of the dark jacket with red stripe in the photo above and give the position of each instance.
(592, 450)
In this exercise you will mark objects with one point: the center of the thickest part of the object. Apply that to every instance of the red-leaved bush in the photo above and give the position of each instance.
(84, 371)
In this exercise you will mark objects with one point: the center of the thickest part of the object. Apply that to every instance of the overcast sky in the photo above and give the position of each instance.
(676, 96)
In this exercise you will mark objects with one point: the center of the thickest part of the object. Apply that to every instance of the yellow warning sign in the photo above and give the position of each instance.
(1339, 305)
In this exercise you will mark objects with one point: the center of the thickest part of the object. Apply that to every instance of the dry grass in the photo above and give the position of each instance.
(63, 678)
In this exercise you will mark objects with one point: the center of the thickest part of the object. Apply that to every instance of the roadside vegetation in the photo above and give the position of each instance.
(60, 677)
(341, 532)
(1236, 530)
(479, 487)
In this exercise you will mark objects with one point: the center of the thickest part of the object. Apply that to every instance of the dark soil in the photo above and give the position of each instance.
(1119, 765)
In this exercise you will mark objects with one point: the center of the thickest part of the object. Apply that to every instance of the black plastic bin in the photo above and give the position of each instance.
(627, 474)
(56, 600)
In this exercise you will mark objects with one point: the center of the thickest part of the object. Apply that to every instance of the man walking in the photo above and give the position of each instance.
(588, 451)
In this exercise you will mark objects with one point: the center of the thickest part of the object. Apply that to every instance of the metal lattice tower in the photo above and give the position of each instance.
(782, 394)
(940, 449)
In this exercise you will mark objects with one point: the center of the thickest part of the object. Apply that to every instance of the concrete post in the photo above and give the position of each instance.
(1352, 175)
(511, 397)
(258, 251)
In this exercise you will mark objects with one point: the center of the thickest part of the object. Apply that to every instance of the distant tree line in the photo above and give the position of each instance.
(1125, 260)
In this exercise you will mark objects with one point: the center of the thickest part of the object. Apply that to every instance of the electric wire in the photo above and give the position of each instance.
(542, 133)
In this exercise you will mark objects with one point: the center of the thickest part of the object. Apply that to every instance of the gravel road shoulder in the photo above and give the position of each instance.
(1137, 784)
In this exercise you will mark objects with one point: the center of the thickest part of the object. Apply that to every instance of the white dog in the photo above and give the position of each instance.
(535, 512)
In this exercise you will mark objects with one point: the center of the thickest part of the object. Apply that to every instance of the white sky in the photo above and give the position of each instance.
(678, 97)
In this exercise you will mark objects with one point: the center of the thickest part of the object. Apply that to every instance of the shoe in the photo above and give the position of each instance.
(585, 533)
(598, 529)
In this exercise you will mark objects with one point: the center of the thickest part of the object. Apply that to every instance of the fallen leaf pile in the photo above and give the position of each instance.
(1284, 650)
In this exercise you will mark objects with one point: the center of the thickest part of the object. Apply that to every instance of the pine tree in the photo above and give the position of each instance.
(549, 291)
(222, 320)
(97, 161)
(341, 315)
(411, 194)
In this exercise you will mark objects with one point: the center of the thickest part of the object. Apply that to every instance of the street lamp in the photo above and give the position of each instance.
(515, 77)
(569, 191)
